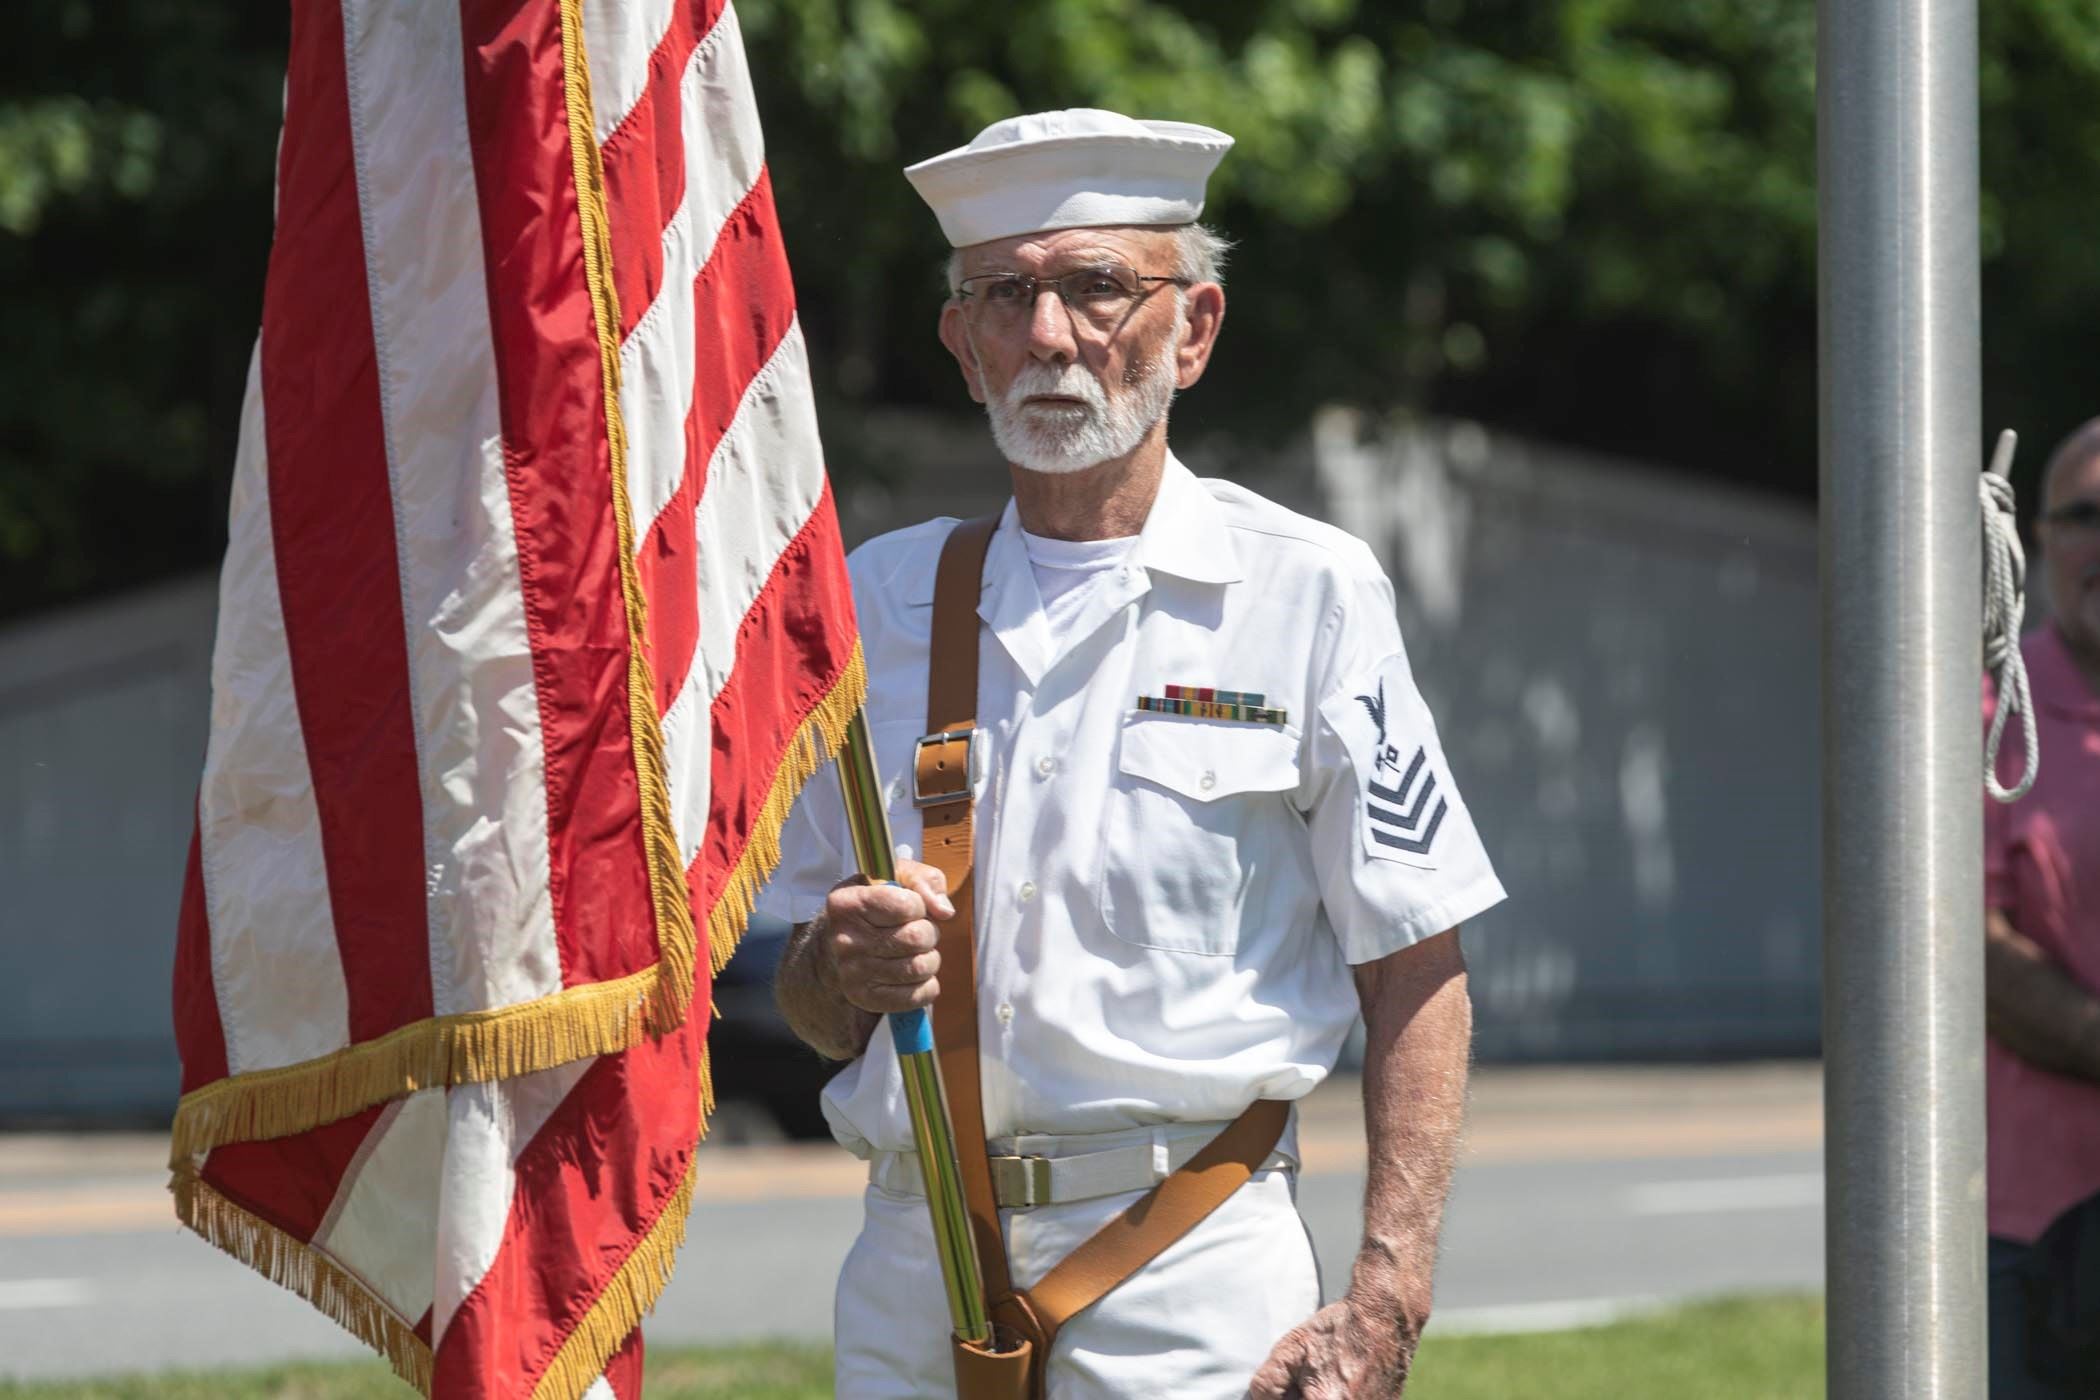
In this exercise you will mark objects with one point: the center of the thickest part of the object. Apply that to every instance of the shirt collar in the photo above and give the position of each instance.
(1185, 533)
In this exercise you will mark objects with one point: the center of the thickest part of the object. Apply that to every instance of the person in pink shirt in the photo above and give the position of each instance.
(2042, 942)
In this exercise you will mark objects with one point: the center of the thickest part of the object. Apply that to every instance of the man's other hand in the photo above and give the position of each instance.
(879, 942)
(1348, 1350)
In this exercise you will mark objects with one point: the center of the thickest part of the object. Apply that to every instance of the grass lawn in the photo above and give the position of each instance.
(1740, 1349)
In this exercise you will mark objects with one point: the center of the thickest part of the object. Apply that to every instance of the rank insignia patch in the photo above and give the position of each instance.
(1402, 808)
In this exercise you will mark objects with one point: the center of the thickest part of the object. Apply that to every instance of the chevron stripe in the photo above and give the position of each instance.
(1399, 798)
(1421, 845)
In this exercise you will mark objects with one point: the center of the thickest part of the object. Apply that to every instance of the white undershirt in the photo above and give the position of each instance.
(1068, 573)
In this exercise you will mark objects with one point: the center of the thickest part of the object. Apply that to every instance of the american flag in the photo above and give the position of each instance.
(533, 620)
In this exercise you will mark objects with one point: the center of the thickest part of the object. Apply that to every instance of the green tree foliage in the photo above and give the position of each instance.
(1592, 220)
(136, 139)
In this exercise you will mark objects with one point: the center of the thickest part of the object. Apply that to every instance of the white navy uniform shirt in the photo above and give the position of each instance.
(1167, 906)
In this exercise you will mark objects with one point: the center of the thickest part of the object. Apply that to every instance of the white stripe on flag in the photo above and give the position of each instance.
(383, 1220)
(273, 954)
(487, 1126)
(477, 717)
(724, 152)
(619, 36)
(766, 477)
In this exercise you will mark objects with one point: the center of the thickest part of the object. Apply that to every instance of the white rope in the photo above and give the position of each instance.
(2004, 579)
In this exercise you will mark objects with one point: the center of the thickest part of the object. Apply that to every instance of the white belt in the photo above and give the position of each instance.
(1043, 1169)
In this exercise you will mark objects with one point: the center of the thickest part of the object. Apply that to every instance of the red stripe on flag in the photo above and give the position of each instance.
(645, 163)
(291, 1181)
(669, 569)
(555, 448)
(793, 646)
(199, 1036)
(624, 1372)
(743, 304)
(332, 518)
(589, 1187)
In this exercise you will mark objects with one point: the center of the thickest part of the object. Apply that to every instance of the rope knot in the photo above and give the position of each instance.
(2004, 603)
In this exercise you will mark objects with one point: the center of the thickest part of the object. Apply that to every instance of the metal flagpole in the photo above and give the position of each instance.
(1901, 441)
(912, 1034)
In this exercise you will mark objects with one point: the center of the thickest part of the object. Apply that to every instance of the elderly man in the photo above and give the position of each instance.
(1199, 815)
(2042, 938)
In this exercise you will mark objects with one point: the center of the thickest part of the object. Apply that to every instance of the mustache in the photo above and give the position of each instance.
(1064, 381)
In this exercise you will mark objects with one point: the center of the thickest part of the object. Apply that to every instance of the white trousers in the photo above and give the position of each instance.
(1194, 1324)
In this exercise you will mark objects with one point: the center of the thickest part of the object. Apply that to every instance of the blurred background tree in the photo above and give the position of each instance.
(1592, 221)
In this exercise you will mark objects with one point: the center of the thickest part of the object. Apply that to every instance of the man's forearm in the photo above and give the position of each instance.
(816, 1011)
(1419, 1026)
(2033, 1008)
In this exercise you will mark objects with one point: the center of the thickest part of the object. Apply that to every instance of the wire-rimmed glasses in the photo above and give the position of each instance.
(1101, 294)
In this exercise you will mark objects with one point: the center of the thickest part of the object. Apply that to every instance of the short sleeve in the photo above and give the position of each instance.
(813, 843)
(1394, 846)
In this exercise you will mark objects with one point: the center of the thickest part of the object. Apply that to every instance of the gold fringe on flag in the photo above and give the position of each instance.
(292, 1263)
(471, 1047)
(675, 934)
(632, 1291)
(822, 734)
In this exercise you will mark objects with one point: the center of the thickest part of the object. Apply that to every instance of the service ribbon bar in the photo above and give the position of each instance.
(1203, 702)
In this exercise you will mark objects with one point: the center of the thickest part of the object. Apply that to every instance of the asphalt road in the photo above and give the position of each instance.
(1584, 1194)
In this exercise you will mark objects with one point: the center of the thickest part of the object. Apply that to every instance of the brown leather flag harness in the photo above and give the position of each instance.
(1026, 1321)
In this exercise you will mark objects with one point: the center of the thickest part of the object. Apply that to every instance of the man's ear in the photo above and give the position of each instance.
(956, 337)
(1203, 309)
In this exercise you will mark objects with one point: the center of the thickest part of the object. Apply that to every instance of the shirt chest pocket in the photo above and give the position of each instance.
(1198, 826)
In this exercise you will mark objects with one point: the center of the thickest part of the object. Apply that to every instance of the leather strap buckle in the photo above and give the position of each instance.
(943, 775)
(1021, 1181)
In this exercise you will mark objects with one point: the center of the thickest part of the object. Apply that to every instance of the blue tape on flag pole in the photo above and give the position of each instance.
(911, 1032)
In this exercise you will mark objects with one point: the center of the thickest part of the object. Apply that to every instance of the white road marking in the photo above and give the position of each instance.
(1509, 1319)
(1715, 1196)
(22, 1294)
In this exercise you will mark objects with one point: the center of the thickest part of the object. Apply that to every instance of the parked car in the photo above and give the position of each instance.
(759, 1066)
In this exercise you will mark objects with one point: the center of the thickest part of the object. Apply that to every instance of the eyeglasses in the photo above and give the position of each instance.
(2075, 515)
(1102, 294)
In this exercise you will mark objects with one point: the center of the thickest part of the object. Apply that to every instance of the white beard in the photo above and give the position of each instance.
(1070, 437)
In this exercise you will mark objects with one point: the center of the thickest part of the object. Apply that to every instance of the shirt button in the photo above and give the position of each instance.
(1208, 781)
(1045, 766)
(1027, 890)
(1006, 1013)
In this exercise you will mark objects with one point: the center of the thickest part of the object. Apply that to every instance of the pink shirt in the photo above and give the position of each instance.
(2041, 860)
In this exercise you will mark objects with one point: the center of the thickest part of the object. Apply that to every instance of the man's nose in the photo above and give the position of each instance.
(1050, 327)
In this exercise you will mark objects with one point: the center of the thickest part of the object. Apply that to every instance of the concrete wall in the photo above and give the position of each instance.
(102, 723)
(1622, 663)
(1623, 666)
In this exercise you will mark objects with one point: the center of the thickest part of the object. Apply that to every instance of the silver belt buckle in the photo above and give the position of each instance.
(958, 763)
(1021, 1181)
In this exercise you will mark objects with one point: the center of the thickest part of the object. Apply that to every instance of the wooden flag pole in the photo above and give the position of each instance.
(912, 1034)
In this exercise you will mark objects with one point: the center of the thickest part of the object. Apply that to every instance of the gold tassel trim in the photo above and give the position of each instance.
(632, 1290)
(293, 1264)
(468, 1047)
(471, 1047)
(676, 936)
(822, 734)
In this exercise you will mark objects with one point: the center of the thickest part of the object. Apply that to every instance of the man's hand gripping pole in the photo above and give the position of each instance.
(912, 1033)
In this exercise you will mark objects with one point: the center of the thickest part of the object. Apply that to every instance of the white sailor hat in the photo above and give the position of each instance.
(1080, 168)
